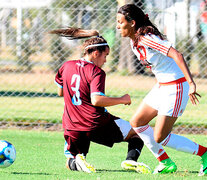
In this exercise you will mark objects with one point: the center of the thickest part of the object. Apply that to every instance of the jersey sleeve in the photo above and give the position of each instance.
(154, 42)
(97, 84)
(59, 78)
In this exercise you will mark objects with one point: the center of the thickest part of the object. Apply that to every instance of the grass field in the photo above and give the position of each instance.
(51, 109)
(27, 108)
(40, 156)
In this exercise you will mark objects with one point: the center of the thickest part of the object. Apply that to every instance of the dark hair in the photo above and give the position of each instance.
(142, 23)
(78, 33)
(95, 40)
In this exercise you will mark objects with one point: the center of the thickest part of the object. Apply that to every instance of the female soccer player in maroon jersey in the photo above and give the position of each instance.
(169, 97)
(85, 119)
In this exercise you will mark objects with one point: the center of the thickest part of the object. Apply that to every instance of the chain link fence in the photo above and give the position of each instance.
(30, 57)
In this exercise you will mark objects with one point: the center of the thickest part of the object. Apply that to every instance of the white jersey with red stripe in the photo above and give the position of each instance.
(152, 52)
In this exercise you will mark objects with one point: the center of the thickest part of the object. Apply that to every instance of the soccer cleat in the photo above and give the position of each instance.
(71, 164)
(165, 166)
(83, 165)
(135, 166)
(203, 169)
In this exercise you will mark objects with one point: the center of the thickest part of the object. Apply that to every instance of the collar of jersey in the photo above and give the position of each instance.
(86, 60)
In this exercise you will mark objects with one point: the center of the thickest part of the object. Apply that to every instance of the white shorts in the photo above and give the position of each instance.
(168, 100)
(124, 127)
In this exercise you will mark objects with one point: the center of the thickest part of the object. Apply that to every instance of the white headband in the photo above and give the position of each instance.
(95, 45)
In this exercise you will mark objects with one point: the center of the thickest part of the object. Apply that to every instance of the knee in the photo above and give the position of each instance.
(158, 138)
(133, 123)
(136, 123)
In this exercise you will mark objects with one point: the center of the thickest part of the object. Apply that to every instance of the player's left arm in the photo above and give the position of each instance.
(104, 101)
(97, 87)
(178, 58)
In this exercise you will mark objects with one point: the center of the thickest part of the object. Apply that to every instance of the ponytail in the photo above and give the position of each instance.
(90, 45)
(75, 33)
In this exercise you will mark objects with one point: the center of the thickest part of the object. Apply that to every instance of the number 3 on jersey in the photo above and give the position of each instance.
(76, 97)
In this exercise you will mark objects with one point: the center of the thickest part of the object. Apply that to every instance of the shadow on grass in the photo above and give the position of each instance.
(27, 94)
(187, 172)
(127, 171)
(27, 173)
(111, 170)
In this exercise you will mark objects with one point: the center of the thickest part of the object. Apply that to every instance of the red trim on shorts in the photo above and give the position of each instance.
(178, 100)
(163, 157)
(201, 150)
(177, 81)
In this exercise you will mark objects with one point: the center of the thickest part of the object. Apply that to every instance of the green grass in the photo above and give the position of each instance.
(40, 156)
(32, 109)
(50, 109)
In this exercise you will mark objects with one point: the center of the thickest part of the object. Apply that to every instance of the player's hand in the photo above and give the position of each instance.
(126, 99)
(193, 94)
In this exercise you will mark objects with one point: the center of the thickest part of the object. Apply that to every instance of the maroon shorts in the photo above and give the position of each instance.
(79, 141)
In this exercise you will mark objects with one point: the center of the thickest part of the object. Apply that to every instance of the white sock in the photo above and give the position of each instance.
(66, 152)
(147, 135)
(180, 143)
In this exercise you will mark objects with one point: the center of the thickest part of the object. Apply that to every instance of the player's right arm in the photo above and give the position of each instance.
(104, 101)
(59, 81)
(178, 58)
(60, 91)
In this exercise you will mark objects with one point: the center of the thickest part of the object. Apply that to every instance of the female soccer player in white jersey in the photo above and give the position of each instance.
(168, 99)
(82, 84)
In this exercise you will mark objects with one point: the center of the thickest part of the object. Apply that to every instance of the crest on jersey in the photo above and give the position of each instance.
(143, 56)
(146, 63)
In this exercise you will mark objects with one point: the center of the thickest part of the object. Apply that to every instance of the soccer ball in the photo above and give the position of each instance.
(7, 154)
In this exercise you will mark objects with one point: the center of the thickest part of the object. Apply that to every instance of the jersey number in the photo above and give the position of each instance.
(76, 97)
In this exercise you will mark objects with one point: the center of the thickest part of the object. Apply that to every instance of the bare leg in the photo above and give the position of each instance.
(139, 122)
(163, 127)
(143, 115)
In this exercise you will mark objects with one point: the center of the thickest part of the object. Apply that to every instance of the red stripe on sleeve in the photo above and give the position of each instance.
(154, 45)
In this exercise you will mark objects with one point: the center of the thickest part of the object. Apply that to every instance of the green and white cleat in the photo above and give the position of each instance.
(83, 165)
(131, 165)
(165, 166)
(203, 170)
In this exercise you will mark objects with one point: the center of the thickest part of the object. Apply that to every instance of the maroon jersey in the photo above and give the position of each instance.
(81, 79)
